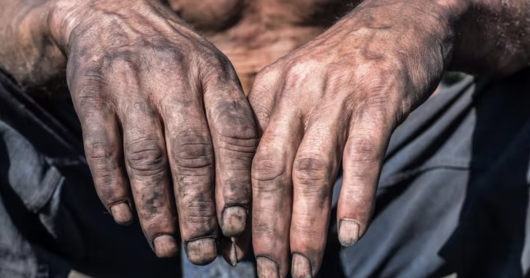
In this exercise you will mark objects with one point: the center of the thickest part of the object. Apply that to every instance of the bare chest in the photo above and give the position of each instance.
(255, 33)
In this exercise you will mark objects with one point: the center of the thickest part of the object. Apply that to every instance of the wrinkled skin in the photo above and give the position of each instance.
(334, 103)
(139, 78)
(167, 127)
(165, 122)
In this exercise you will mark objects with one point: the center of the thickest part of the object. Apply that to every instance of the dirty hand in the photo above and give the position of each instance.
(164, 122)
(335, 102)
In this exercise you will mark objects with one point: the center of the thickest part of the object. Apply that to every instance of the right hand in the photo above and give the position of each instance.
(164, 121)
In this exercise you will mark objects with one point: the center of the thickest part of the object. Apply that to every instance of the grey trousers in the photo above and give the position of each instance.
(452, 197)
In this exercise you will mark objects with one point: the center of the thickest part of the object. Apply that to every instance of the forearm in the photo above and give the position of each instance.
(486, 38)
(27, 50)
(493, 38)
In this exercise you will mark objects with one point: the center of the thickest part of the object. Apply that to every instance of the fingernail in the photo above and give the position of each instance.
(122, 213)
(300, 267)
(348, 232)
(233, 253)
(267, 268)
(165, 246)
(201, 251)
(234, 221)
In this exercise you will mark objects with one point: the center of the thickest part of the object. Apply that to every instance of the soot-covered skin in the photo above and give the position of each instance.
(160, 105)
(165, 122)
(159, 102)
(336, 100)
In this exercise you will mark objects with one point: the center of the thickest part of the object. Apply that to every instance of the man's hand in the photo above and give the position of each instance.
(336, 101)
(164, 121)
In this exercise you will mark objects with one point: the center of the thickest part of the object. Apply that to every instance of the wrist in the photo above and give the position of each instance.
(492, 39)
(87, 20)
(27, 51)
(415, 24)
(65, 16)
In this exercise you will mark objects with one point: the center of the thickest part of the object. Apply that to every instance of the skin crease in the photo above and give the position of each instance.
(339, 97)
(335, 99)
(161, 109)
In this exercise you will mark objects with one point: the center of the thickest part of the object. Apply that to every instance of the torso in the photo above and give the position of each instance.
(255, 33)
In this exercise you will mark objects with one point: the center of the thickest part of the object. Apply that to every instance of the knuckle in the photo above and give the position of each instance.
(242, 147)
(364, 149)
(97, 150)
(337, 80)
(218, 67)
(264, 80)
(100, 154)
(193, 152)
(145, 157)
(89, 99)
(263, 75)
(268, 165)
(219, 62)
(307, 227)
(235, 121)
(311, 170)
(173, 55)
(298, 72)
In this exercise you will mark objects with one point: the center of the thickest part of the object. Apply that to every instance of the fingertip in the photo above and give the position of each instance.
(235, 248)
(267, 268)
(300, 266)
(234, 221)
(349, 230)
(165, 246)
(201, 251)
(230, 254)
(122, 214)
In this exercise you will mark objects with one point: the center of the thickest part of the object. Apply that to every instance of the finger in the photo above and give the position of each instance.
(314, 173)
(235, 248)
(272, 192)
(103, 149)
(235, 139)
(145, 157)
(363, 155)
(146, 160)
(191, 158)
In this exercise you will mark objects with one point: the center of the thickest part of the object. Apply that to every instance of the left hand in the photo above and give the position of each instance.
(335, 101)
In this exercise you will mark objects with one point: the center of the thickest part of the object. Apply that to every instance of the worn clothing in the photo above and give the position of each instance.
(50, 216)
(453, 195)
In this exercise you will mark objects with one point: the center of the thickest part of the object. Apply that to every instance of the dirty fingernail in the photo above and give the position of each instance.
(201, 251)
(348, 232)
(300, 267)
(267, 268)
(234, 221)
(233, 253)
(165, 246)
(122, 213)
